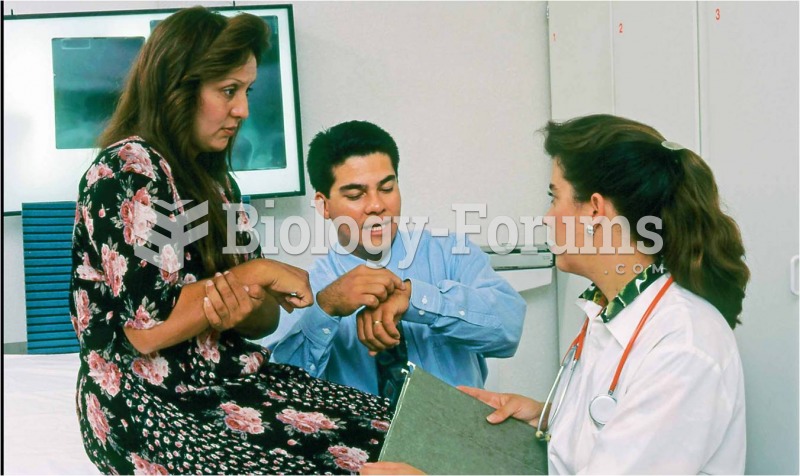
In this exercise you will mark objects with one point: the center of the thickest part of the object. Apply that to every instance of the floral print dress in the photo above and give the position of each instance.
(212, 404)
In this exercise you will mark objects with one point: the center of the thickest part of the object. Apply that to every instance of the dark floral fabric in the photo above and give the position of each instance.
(212, 404)
(627, 294)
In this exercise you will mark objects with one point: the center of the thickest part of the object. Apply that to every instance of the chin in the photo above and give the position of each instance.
(563, 263)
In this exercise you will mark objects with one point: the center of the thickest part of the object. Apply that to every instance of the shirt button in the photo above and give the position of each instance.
(326, 331)
(461, 313)
(424, 299)
(421, 312)
(312, 367)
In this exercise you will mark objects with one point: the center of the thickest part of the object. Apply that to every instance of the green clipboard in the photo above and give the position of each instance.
(442, 430)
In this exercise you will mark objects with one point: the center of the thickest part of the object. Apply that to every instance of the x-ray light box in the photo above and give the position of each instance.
(63, 74)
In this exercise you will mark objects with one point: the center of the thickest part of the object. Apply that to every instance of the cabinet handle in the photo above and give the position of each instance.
(794, 270)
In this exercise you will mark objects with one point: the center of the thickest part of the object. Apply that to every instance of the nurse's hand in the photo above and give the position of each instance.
(385, 467)
(507, 405)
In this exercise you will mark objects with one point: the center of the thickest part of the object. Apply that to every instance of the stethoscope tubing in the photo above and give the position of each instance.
(575, 351)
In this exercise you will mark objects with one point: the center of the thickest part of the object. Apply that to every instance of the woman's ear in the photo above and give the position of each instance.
(601, 206)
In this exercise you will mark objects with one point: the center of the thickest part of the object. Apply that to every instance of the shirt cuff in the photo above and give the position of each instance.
(318, 326)
(425, 303)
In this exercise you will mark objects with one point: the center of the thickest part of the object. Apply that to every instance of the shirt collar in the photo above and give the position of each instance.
(626, 296)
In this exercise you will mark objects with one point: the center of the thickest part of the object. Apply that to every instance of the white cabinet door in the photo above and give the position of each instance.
(655, 67)
(749, 116)
(581, 80)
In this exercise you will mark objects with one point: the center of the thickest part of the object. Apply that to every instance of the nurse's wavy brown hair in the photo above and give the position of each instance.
(625, 161)
(160, 100)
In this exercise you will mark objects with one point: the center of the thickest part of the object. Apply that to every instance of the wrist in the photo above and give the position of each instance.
(323, 304)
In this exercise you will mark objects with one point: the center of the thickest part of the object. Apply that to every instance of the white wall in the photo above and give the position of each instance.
(462, 87)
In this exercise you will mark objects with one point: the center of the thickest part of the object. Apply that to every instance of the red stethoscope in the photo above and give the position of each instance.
(602, 406)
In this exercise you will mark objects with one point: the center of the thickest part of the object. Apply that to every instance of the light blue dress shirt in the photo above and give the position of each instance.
(461, 311)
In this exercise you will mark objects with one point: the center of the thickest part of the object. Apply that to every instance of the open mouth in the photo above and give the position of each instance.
(377, 226)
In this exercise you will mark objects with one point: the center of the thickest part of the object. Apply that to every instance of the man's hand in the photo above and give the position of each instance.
(377, 328)
(361, 286)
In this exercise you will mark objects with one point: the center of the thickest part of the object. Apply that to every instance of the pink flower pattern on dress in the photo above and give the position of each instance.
(176, 200)
(347, 458)
(169, 264)
(114, 267)
(251, 362)
(83, 311)
(138, 218)
(208, 345)
(87, 272)
(137, 160)
(242, 419)
(105, 374)
(97, 419)
(151, 368)
(380, 425)
(88, 222)
(180, 426)
(97, 172)
(276, 396)
(142, 466)
(306, 422)
(141, 320)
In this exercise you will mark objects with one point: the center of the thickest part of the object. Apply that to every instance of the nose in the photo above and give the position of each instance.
(374, 205)
(240, 109)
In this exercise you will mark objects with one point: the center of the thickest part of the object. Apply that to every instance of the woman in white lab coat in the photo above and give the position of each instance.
(653, 381)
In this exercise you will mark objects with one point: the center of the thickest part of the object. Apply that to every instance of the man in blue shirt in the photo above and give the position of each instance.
(446, 311)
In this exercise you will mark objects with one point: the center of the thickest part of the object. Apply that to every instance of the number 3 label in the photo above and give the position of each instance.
(717, 14)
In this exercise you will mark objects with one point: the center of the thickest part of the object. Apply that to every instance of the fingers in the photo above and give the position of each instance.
(373, 333)
(243, 303)
(507, 405)
(291, 287)
(211, 315)
(255, 292)
(227, 301)
(375, 289)
(380, 277)
(214, 307)
(487, 397)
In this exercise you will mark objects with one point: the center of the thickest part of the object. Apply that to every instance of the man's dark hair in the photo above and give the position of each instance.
(333, 146)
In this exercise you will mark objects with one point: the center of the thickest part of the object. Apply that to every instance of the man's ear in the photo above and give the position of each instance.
(321, 204)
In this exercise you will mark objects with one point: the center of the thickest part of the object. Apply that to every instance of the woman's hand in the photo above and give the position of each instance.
(385, 467)
(228, 302)
(507, 405)
(289, 286)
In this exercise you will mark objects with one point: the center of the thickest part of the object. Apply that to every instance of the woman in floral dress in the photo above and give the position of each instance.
(159, 389)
